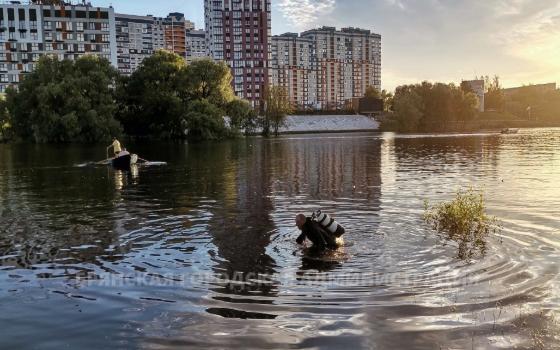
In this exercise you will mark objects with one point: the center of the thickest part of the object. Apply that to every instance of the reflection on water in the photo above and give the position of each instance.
(202, 252)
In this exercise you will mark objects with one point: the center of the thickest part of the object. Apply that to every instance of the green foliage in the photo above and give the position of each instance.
(463, 220)
(277, 106)
(494, 97)
(242, 116)
(372, 92)
(209, 80)
(204, 121)
(160, 98)
(387, 98)
(430, 107)
(5, 120)
(77, 101)
(66, 101)
(154, 97)
(408, 107)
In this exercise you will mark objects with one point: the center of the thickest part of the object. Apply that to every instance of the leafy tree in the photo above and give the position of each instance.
(204, 120)
(66, 101)
(277, 106)
(207, 79)
(387, 98)
(5, 126)
(153, 98)
(429, 107)
(408, 109)
(372, 92)
(494, 97)
(242, 116)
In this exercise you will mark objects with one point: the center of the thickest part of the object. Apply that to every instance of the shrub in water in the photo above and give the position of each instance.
(463, 220)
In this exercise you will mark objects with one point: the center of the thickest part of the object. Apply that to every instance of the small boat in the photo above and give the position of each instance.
(124, 160)
(509, 131)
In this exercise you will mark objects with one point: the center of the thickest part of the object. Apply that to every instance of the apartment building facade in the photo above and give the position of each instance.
(293, 66)
(171, 32)
(28, 31)
(135, 41)
(239, 33)
(196, 44)
(139, 37)
(348, 61)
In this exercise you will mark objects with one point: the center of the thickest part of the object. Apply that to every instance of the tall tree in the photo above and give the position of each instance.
(277, 106)
(207, 79)
(372, 92)
(5, 125)
(494, 97)
(153, 100)
(242, 116)
(387, 98)
(66, 101)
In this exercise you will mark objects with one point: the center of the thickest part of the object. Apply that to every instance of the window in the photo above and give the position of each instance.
(105, 26)
(80, 26)
(79, 36)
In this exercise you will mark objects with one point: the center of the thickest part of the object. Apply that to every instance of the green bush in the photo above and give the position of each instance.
(463, 220)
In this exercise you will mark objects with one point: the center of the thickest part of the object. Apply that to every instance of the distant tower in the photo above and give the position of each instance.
(238, 32)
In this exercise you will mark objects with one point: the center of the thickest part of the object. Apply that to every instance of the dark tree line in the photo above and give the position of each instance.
(86, 100)
(430, 107)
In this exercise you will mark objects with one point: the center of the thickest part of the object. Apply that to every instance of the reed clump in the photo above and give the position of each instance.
(463, 220)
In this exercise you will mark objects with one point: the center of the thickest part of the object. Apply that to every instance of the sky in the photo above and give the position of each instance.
(435, 40)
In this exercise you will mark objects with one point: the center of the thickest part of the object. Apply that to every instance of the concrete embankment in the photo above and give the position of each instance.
(328, 123)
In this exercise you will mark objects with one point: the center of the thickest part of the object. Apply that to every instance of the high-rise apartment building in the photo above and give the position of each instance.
(28, 31)
(294, 67)
(238, 32)
(348, 61)
(134, 41)
(173, 30)
(196, 44)
(139, 37)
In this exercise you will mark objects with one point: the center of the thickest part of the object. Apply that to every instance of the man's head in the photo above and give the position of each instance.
(300, 220)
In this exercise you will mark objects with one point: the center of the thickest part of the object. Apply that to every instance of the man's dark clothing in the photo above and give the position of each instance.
(313, 231)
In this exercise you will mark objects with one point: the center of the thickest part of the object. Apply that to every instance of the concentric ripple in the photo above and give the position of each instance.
(202, 252)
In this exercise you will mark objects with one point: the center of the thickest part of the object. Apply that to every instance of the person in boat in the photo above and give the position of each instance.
(116, 145)
(313, 231)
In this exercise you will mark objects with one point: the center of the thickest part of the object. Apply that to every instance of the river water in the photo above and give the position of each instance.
(201, 252)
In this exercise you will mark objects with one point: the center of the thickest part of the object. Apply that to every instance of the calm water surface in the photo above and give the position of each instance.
(201, 252)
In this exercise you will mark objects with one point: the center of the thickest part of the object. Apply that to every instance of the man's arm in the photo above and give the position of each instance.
(301, 238)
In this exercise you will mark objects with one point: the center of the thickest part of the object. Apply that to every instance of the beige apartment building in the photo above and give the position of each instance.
(323, 69)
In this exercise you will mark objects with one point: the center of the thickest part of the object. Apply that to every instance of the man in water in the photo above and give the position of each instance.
(116, 145)
(313, 231)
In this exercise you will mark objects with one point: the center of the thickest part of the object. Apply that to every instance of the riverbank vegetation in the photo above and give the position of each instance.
(428, 107)
(439, 107)
(86, 100)
(464, 221)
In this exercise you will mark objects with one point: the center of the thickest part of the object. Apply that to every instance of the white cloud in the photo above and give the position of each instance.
(303, 13)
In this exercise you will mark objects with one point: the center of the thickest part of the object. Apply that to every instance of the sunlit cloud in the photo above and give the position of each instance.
(303, 13)
(536, 40)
